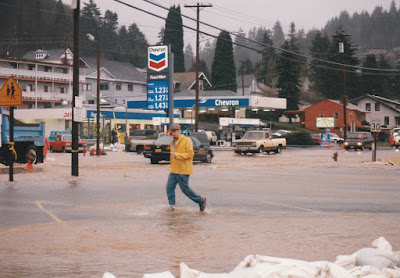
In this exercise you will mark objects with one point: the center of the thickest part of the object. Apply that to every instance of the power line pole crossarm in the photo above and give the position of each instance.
(198, 6)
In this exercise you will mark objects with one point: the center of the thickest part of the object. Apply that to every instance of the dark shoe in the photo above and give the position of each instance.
(203, 203)
(171, 208)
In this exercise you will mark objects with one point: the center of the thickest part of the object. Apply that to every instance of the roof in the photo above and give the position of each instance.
(188, 79)
(382, 100)
(349, 105)
(51, 54)
(119, 70)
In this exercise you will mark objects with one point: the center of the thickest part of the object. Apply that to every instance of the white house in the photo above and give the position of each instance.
(380, 108)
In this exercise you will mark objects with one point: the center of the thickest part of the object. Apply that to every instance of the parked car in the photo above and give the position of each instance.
(316, 138)
(54, 133)
(334, 138)
(358, 140)
(63, 143)
(160, 150)
(281, 133)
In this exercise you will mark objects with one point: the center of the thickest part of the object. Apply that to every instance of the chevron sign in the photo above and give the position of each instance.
(157, 58)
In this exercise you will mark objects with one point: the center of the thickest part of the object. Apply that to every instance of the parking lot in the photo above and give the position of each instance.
(298, 204)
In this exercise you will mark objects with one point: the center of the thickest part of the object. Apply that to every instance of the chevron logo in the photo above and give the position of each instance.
(158, 58)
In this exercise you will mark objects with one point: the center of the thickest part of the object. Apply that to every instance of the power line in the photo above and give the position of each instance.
(254, 41)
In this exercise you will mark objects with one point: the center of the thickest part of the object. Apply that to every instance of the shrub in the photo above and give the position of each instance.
(299, 138)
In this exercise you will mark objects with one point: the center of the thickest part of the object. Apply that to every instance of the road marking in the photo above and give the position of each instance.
(55, 218)
(284, 205)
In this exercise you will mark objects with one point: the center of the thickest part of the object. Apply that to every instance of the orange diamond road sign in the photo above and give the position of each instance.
(10, 93)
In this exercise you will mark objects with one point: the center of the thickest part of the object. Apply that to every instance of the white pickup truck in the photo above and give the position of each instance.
(258, 141)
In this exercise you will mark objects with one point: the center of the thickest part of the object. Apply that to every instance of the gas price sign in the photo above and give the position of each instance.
(157, 94)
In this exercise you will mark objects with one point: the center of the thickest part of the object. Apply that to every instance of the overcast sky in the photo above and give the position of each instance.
(234, 14)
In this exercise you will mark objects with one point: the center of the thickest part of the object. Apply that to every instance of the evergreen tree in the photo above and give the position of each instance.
(173, 35)
(190, 57)
(246, 67)
(370, 82)
(89, 24)
(207, 53)
(278, 37)
(319, 51)
(288, 80)
(265, 68)
(223, 71)
(334, 82)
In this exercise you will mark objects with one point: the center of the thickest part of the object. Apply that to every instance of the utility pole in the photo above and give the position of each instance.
(198, 6)
(98, 101)
(342, 52)
(75, 91)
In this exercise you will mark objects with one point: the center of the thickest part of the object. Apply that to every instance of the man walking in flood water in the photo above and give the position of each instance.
(181, 167)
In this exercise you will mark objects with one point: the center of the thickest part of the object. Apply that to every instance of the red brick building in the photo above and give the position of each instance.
(329, 108)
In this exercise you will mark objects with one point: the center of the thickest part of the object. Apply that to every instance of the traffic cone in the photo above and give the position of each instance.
(29, 167)
(92, 152)
(343, 146)
(329, 146)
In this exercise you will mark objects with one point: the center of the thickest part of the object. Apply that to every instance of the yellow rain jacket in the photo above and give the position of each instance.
(183, 162)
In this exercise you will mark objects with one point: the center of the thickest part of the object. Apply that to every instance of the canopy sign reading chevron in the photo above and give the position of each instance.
(157, 58)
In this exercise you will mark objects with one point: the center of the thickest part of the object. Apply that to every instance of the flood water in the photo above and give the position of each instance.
(300, 204)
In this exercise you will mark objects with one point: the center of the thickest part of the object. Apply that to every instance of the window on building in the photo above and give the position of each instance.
(386, 120)
(321, 114)
(91, 101)
(377, 106)
(123, 101)
(46, 88)
(30, 106)
(47, 105)
(62, 90)
(88, 87)
(47, 69)
(397, 120)
(103, 87)
(336, 115)
(201, 86)
(13, 65)
(358, 117)
(130, 87)
(31, 67)
(31, 87)
(115, 100)
(118, 87)
(368, 106)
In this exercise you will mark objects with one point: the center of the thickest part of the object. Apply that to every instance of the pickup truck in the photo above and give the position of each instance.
(29, 141)
(258, 141)
(63, 143)
(141, 138)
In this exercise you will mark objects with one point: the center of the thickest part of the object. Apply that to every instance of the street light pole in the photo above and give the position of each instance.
(91, 38)
(98, 100)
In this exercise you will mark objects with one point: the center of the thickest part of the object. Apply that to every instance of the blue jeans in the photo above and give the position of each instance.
(183, 181)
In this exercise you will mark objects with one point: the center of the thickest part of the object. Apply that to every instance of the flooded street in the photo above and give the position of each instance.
(299, 204)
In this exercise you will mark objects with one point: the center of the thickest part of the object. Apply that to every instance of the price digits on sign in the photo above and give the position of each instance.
(161, 97)
(160, 105)
(161, 90)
